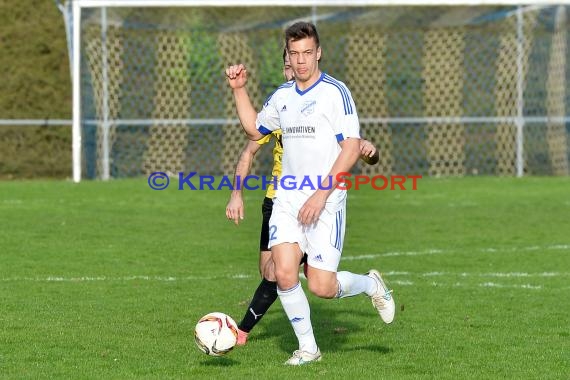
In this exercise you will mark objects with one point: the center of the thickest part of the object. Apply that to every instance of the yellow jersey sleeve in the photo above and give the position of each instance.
(265, 139)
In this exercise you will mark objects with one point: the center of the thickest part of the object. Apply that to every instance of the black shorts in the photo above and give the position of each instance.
(266, 209)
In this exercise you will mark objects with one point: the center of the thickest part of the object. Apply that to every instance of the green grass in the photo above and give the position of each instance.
(107, 280)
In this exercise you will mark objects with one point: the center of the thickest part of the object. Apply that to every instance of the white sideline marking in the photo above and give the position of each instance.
(496, 274)
(435, 251)
(489, 285)
(349, 258)
(124, 278)
(495, 285)
(245, 276)
(391, 275)
(389, 254)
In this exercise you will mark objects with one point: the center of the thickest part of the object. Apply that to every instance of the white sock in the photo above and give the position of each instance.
(351, 284)
(297, 308)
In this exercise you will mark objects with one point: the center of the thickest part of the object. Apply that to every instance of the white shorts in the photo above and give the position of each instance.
(322, 241)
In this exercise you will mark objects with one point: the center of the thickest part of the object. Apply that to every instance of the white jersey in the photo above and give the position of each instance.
(312, 122)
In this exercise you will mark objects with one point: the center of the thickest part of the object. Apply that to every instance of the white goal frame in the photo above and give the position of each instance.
(72, 15)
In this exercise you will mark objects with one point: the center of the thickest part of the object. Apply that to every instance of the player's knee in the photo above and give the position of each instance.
(286, 279)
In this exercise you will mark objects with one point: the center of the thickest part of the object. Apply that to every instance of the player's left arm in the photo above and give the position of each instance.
(368, 152)
(313, 207)
(346, 127)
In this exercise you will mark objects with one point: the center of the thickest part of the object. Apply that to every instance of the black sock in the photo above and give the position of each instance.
(263, 298)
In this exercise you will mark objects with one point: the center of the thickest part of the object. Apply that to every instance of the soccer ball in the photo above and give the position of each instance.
(216, 334)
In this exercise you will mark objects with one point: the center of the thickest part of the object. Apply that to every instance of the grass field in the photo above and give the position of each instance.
(107, 280)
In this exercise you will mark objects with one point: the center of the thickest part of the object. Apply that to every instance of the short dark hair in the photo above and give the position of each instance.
(284, 54)
(301, 30)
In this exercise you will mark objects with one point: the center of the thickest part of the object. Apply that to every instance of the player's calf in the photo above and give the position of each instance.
(322, 283)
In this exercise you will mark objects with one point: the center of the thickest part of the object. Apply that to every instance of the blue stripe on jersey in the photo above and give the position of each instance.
(343, 92)
(339, 137)
(284, 85)
(264, 131)
(342, 88)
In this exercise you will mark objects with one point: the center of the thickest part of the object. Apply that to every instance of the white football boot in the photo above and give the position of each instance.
(303, 357)
(382, 299)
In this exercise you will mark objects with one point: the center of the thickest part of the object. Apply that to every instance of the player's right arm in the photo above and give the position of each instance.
(237, 79)
(235, 209)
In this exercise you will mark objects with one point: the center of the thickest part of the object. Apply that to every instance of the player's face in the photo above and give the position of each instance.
(304, 56)
(287, 70)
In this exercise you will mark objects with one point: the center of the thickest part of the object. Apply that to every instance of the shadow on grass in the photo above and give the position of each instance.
(370, 347)
(333, 324)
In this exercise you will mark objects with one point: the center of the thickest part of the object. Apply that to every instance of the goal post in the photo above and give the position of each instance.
(443, 88)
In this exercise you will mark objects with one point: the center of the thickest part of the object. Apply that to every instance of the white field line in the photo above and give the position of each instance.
(391, 254)
(490, 285)
(495, 285)
(493, 274)
(122, 278)
(403, 282)
(392, 282)
(393, 278)
(555, 247)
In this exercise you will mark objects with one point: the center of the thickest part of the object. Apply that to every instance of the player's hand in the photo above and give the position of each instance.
(367, 148)
(236, 75)
(312, 209)
(234, 209)
(368, 152)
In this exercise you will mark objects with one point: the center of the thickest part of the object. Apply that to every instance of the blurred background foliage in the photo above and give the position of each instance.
(35, 84)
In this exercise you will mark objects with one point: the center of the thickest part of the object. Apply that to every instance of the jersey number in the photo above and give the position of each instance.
(272, 231)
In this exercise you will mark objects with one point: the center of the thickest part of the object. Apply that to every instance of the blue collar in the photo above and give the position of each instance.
(309, 89)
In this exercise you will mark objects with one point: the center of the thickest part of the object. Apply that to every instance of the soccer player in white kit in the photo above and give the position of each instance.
(320, 135)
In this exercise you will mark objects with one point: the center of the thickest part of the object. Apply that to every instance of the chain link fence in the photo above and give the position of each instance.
(437, 89)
